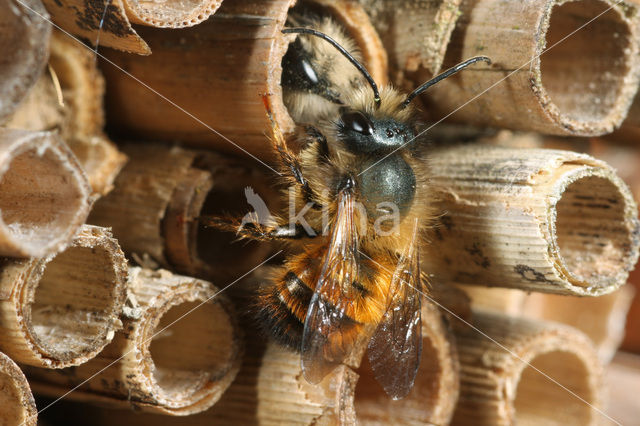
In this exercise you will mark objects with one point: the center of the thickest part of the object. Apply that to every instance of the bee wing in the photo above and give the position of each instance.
(396, 345)
(329, 333)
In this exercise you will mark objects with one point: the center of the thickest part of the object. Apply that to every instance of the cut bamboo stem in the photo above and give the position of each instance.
(24, 39)
(100, 22)
(74, 108)
(158, 198)
(62, 310)
(538, 220)
(601, 318)
(583, 83)
(217, 72)
(262, 386)
(44, 194)
(435, 393)
(17, 406)
(179, 350)
(415, 33)
(505, 385)
(171, 14)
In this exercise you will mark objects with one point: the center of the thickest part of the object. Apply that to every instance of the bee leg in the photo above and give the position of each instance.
(256, 230)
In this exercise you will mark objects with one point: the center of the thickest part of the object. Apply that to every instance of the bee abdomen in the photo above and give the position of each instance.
(284, 309)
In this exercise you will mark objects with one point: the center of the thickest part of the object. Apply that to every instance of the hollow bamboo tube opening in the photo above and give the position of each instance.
(559, 82)
(158, 200)
(540, 220)
(186, 347)
(72, 104)
(17, 406)
(178, 351)
(171, 14)
(500, 385)
(435, 391)
(62, 310)
(24, 40)
(44, 194)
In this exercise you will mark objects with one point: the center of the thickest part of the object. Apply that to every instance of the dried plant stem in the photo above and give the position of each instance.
(601, 318)
(414, 32)
(78, 115)
(62, 310)
(538, 220)
(44, 194)
(500, 387)
(583, 85)
(219, 70)
(179, 350)
(158, 200)
(98, 21)
(17, 406)
(23, 42)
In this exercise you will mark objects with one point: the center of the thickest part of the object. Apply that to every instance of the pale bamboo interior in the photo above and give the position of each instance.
(44, 194)
(540, 401)
(77, 287)
(170, 14)
(591, 233)
(17, 406)
(584, 75)
(186, 373)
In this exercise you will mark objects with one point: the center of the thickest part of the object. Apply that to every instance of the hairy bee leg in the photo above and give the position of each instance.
(255, 230)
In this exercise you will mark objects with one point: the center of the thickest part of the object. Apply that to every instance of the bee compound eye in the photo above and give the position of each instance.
(358, 122)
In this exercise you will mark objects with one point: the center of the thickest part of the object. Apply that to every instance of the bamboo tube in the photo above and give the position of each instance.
(500, 300)
(17, 406)
(217, 72)
(158, 198)
(23, 42)
(584, 85)
(62, 310)
(601, 318)
(496, 388)
(179, 350)
(537, 220)
(415, 33)
(171, 14)
(266, 382)
(78, 115)
(101, 22)
(435, 393)
(44, 195)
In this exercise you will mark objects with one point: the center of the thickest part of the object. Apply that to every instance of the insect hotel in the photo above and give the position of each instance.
(281, 212)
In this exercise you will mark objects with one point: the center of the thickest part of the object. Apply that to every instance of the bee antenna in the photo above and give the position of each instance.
(354, 61)
(441, 77)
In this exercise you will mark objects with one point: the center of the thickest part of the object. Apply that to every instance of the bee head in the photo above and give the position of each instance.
(364, 133)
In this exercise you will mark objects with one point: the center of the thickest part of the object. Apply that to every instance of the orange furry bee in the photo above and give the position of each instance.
(353, 272)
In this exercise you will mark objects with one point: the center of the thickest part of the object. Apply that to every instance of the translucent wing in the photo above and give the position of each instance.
(329, 332)
(395, 347)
